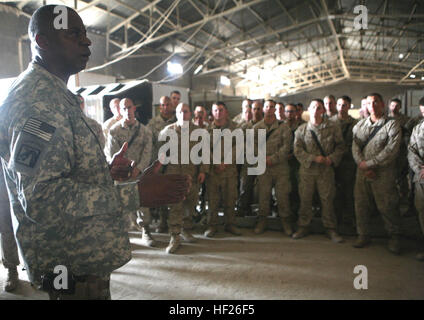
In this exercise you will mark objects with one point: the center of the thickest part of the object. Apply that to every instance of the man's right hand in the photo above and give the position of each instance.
(319, 159)
(157, 190)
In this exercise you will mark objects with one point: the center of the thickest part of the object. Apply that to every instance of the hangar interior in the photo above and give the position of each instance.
(229, 50)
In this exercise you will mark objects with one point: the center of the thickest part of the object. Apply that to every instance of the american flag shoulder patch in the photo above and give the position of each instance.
(39, 129)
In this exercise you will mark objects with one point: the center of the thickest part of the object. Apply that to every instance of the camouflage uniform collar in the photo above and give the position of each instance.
(379, 122)
(39, 68)
(322, 125)
(170, 120)
(226, 125)
(125, 126)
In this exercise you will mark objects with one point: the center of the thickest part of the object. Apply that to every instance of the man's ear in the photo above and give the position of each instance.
(42, 41)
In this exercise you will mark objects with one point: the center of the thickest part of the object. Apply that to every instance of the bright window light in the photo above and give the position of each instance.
(4, 87)
(174, 68)
(198, 69)
(412, 76)
(401, 56)
(225, 81)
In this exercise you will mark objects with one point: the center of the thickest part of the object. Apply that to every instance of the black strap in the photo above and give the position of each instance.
(269, 134)
(314, 136)
(372, 135)
(133, 136)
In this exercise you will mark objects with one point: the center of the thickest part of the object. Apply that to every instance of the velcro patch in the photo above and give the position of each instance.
(39, 129)
(28, 155)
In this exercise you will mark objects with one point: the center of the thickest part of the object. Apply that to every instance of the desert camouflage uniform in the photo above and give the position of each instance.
(107, 125)
(402, 159)
(278, 143)
(62, 194)
(316, 176)
(156, 125)
(139, 139)
(380, 154)
(345, 174)
(294, 166)
(246, 182)
(223, 184)
(238, 119)
(181, 214)
(9, 250)
(416, 163)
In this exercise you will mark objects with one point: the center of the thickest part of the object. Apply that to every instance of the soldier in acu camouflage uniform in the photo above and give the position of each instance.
(156, 125)
(346, 170)
(180, 219)
(222, 180)
(59, 182)
(376, 142)
(9, 250)
(319, 147)
(139, 139)
(278, 140)
(416, 162)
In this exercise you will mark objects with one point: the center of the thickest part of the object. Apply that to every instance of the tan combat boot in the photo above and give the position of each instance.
(146, 238)
(302, 232)
(233, 229)
(187, 236)
(334, 236)
(12, 279)
(260, 226)
(210, 232)
(287, 228)
(394, 245)
(174, 243)
(362, 241)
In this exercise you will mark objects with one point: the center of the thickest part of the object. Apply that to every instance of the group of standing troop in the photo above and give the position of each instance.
(349, 168)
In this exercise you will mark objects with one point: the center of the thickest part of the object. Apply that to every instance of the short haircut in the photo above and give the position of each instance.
(318, 100)
(346, 98)
(282, 103)
(330, 96)
(220, 103)
(375, 94)
(299, 105)
(176, 92)
(42, 20)
(270, 100)
(421, 102)
(291, 105)
(396, 100)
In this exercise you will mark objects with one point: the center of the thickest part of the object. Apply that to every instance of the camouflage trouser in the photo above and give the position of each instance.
(144, 215)
(344, 201)
(282, 190)
(181, 214)
(419, 203)
(87, 288)
(247, 185)
(324, 184)
(294, 182)
(227, 187)
(9, 250)
(384, 192)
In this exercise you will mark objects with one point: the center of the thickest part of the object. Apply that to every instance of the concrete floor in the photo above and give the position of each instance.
(268, 266)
